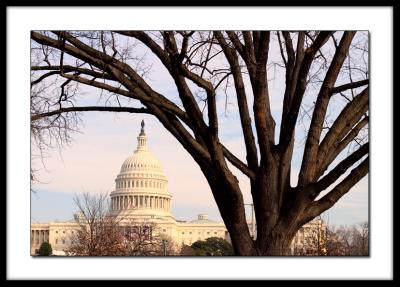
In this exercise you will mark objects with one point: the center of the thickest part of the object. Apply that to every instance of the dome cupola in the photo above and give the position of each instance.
(141, 185)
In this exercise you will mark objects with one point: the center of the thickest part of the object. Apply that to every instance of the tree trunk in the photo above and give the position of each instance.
(275, 229)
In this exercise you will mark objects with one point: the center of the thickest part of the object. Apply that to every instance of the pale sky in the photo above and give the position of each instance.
(94, 159)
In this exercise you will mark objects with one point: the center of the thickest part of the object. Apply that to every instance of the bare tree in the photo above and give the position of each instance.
(319, 67)
(104, 234)
(99, 233)
(348, 240)
(360, 239)
(144, 238)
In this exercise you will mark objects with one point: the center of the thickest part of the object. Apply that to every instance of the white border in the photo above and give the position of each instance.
(19, 23)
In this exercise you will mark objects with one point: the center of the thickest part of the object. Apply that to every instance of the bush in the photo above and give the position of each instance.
(45, 249)
(212, 246)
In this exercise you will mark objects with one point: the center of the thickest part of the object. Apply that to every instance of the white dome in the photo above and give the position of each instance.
(141, 161)
(141, 186)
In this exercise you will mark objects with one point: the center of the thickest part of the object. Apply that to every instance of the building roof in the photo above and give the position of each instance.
(202, 219)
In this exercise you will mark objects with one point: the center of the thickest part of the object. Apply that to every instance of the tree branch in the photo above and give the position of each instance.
(333, 143)
(68, 68)
(308, 168)
(251, 150)
(327, 201)
(288, 126)
(264, 121)
(238, 163)
(352, 85)
(90, 108)
(340, 169)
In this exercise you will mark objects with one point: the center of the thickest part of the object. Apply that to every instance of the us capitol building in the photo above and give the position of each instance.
(140, 195)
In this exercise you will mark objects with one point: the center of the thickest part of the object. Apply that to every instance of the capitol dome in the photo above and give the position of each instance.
(141, 186)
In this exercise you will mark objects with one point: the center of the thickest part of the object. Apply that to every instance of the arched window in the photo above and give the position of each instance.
(145, 183)
(141, 183)
(129, 184)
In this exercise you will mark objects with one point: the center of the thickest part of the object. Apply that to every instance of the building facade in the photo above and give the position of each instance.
(141, 195)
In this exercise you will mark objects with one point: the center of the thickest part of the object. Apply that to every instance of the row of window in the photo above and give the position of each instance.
(133, 201)
(208, 232)
(64, 231)
(140, 175)
(137, 165)
(140, 183)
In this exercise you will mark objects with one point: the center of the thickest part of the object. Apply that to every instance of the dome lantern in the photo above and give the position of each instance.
(142, 139)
